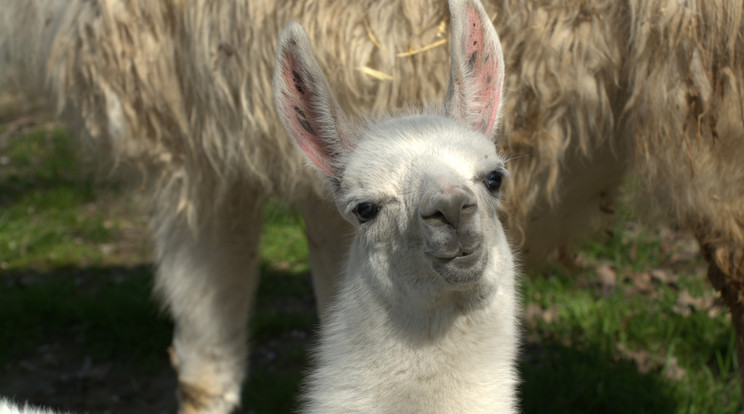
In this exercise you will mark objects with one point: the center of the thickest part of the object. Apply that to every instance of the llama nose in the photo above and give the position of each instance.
(449, 205)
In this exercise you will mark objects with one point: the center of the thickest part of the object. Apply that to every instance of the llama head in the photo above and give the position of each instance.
(422, 190)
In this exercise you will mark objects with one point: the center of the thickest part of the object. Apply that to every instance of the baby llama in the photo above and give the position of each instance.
(425, 318)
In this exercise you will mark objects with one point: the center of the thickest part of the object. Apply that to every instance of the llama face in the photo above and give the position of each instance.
(430, 194)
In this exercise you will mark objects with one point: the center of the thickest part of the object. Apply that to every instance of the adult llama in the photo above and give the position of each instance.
(425, 317)
(595, 91)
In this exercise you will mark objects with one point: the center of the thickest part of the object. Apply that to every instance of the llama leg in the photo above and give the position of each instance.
(726, 274)
(208, 281)
(328, 237)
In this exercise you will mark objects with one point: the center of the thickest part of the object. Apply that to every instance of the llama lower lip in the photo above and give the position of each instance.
(461, 269)
(465, 260)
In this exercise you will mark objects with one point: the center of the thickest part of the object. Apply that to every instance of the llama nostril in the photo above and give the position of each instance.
(448, 206)
(434, 218)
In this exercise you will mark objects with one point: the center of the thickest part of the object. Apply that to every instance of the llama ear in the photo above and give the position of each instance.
(307, 107)
(474, 94)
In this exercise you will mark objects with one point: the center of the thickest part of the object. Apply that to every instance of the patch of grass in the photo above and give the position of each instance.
(634, 346)
(283, 244)
(47, 214)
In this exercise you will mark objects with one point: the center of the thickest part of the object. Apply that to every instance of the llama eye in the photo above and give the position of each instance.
(493, 181)
(366, 211)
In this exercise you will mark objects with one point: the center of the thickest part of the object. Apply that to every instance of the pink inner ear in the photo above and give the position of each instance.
(301, 115)
(484, 73)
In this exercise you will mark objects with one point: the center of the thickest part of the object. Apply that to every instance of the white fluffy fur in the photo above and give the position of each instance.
(7, 407)
(404, 336)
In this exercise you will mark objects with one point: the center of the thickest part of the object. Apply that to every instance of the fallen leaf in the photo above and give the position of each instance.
(550, 315)
(673, 371)
(642, 283)
(641, 358)
(664, 277)
(607, 279)
(714, 312)
(686, 303)
(535, 311)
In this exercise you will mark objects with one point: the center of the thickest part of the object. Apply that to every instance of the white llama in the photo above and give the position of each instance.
(425, 319)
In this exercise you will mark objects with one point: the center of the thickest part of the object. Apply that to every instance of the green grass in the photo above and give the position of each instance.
(588, 355)
(630, 346)
(283, 245)
(43, 198)
(633, 348)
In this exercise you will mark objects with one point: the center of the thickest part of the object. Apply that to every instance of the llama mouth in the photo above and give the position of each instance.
(462, 268)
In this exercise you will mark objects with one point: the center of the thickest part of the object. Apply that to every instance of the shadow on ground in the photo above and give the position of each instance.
(586, 379)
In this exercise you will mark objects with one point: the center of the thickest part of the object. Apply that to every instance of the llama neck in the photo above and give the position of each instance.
(375, 351)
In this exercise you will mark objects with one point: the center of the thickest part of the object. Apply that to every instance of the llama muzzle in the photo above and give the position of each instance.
(451, 225)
